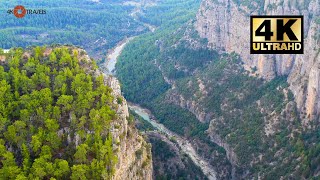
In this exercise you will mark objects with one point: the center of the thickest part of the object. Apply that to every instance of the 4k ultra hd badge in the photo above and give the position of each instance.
(276, 35)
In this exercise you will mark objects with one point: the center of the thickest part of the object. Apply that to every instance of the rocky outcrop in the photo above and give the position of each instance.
(192, 106)
(133, 152)
(134, 158)
(226, 26)
(231, 155)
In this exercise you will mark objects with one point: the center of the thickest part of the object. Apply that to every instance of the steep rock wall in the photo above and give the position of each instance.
(225, 23)
(133, 152)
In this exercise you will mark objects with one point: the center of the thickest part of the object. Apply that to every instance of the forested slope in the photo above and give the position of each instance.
(59, 120)
(95, 26)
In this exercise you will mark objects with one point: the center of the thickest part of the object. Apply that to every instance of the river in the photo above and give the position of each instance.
(183, 143)
(115, 52)
(113, 55)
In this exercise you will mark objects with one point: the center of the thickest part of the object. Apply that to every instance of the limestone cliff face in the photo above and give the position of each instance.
(225, 23)
(134, 154)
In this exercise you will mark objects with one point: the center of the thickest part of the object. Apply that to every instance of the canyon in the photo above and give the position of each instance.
(263, 110)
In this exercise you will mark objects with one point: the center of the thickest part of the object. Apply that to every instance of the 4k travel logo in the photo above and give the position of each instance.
(20, 11)
(276, 35)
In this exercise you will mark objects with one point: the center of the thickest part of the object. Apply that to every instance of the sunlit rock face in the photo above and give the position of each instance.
(226, 26)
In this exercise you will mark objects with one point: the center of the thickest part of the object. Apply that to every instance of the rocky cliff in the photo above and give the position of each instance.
(225, 23)
(133, 153)
(134, 158)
